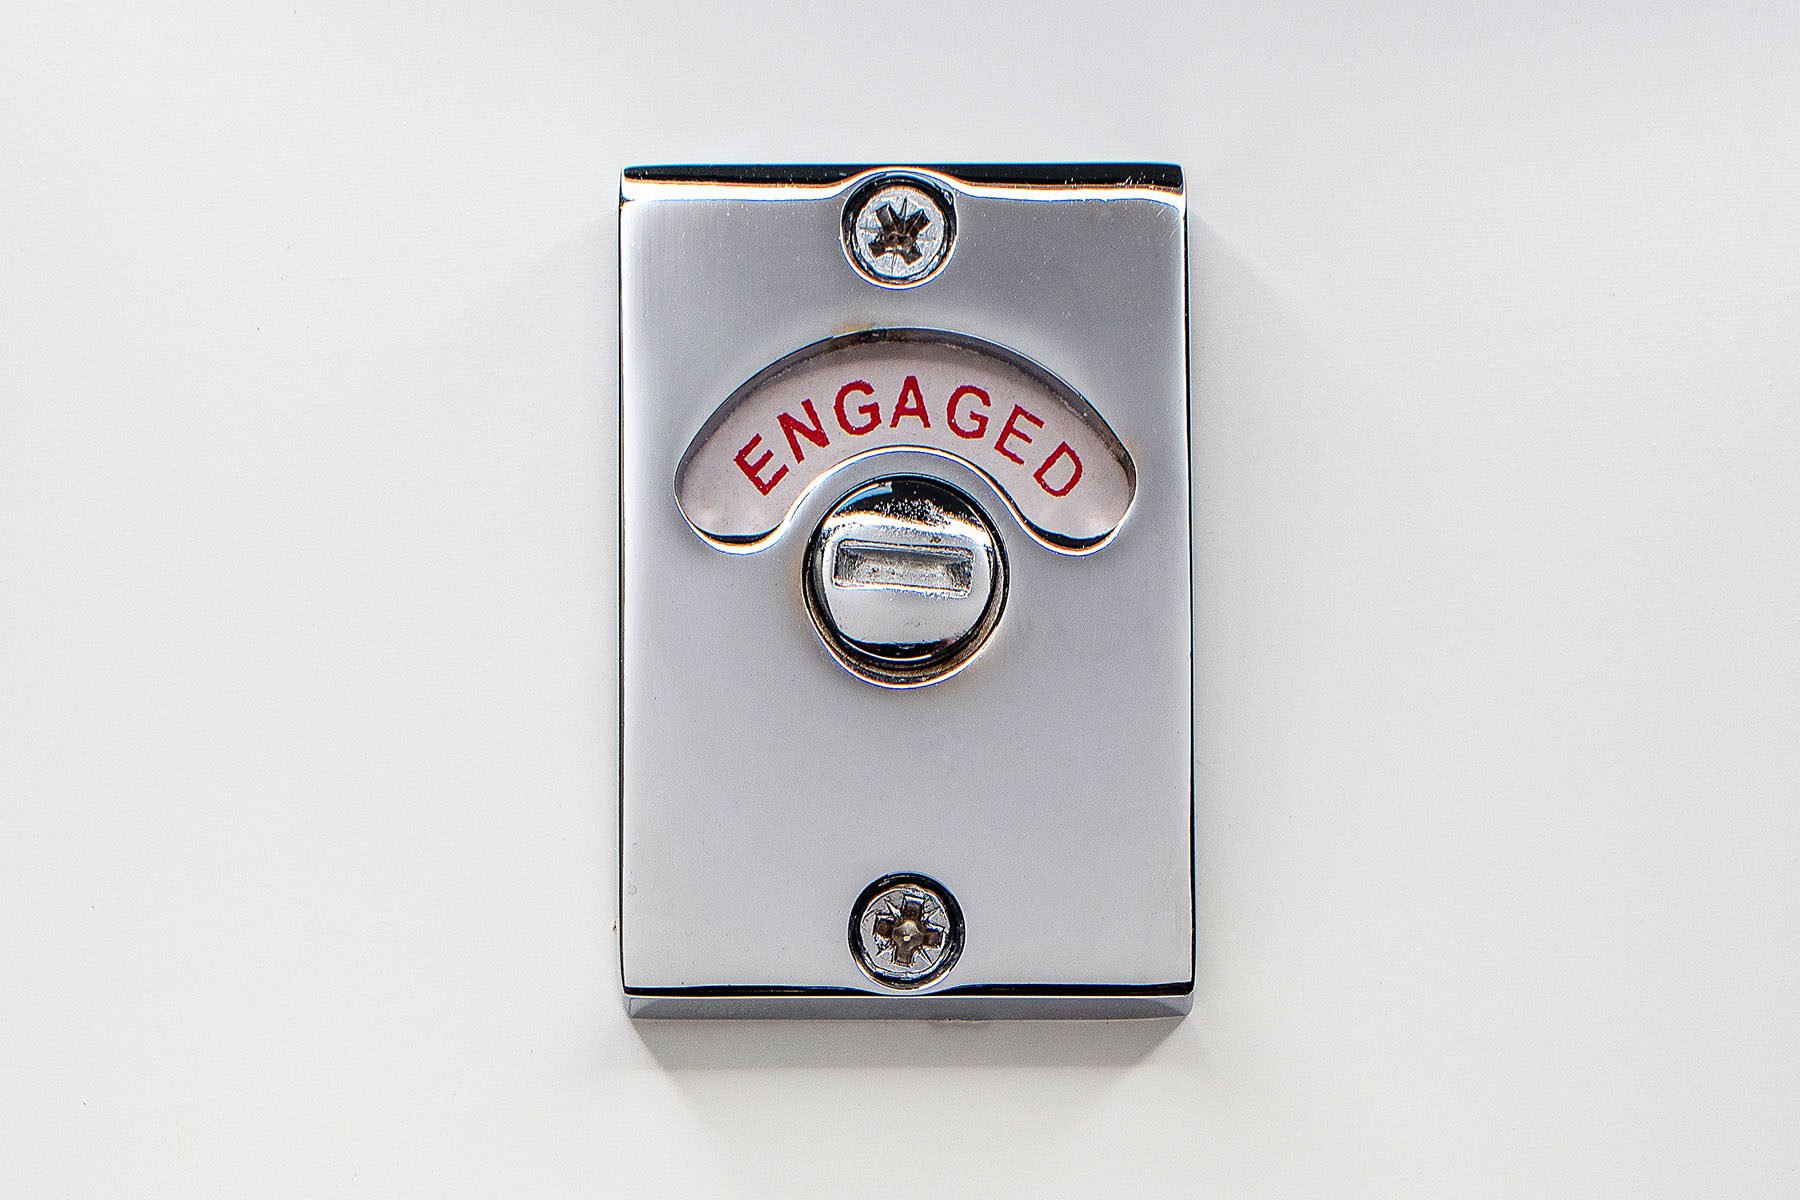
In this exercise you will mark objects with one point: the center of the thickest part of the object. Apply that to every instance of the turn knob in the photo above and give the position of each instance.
(905, 579)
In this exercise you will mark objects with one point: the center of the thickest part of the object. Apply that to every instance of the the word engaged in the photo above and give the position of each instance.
(967, 412)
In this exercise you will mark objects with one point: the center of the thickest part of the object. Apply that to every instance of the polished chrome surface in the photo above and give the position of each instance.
(906, 931)
(905, 581)
(898, 230)
(1050, 777)
(793, 425)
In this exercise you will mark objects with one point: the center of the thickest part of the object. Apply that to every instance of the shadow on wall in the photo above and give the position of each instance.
(702, 1045)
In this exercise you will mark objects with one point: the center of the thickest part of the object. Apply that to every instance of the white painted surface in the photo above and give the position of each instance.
(306, 655)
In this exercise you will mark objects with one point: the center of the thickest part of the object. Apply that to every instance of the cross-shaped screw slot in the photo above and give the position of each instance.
(906, 932)
(900, 232)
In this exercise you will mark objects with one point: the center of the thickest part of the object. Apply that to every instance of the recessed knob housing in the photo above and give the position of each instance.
(905, 579)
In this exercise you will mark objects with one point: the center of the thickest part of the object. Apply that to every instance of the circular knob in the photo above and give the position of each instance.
(905, 579)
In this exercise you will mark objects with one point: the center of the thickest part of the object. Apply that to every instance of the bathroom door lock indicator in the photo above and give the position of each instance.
(906, 615)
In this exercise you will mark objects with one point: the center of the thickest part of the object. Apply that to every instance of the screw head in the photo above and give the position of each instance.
(905, 931)
(898, 230)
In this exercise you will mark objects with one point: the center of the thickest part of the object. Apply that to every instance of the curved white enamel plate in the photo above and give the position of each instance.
(1044, 448)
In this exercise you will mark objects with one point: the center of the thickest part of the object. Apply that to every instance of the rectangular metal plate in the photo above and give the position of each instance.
(1049, 784)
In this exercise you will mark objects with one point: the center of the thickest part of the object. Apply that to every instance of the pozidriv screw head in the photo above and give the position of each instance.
(905, 931)
(898, 230)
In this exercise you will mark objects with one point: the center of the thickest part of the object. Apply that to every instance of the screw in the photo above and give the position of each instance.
(905, 931)
(898, 230)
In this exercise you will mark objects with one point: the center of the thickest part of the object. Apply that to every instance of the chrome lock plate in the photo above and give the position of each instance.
(906, 619)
